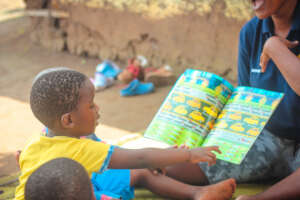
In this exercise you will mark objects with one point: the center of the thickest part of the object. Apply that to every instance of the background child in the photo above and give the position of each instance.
(63, 101)
(134, 70)
(59, 179)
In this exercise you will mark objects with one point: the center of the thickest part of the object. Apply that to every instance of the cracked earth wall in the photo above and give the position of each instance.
(199, 34)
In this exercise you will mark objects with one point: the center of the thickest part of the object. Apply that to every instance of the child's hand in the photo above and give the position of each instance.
(183, 146)
(204, 154)
(163, 171)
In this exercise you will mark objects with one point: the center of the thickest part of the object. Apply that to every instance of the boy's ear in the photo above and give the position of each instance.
(66, 121)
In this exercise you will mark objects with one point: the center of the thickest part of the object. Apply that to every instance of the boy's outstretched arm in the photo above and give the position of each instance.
(153, 157)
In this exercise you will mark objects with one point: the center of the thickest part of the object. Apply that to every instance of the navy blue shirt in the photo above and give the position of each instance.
(285, 122)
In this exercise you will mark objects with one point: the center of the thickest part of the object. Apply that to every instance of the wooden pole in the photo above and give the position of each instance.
(46, 13)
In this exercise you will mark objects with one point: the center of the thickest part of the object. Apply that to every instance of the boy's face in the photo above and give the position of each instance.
(266, 8)
(86, 115)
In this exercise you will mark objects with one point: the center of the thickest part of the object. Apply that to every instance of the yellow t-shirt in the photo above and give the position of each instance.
(92, 155)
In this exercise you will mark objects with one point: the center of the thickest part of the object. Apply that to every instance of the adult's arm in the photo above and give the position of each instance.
(287, 188)
(286, 61)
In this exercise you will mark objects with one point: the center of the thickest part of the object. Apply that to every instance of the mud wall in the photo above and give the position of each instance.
(182, 33)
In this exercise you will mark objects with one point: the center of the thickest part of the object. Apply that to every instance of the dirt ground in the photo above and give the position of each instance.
(21, 60)
(203, 41)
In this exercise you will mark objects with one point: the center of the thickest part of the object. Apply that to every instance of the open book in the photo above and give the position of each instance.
(203, 109)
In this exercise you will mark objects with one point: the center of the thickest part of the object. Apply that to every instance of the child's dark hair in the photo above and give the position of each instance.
(60, 179)
(54, 94)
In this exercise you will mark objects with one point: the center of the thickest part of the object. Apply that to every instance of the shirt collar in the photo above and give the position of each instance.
(268, 27)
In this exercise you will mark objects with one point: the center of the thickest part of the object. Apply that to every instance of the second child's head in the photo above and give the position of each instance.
(63, 100)
(60, 179)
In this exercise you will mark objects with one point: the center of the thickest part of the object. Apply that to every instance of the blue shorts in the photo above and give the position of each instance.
(114, 183)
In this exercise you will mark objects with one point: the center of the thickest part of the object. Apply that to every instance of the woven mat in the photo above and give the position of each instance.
(8, 185)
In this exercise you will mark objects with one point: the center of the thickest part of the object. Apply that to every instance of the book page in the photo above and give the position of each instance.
(241, 121)
(189, 111)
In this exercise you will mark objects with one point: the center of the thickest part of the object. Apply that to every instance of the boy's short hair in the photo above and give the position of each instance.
(59, 179)
(45, 71)
(55, 93)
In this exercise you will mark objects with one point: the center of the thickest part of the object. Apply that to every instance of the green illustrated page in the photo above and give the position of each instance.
(241, 121)
(190, 109)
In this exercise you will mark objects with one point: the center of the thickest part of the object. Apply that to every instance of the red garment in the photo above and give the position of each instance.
(136, 71)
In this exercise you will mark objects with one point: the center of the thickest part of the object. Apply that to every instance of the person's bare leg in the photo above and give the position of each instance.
(160, 77)
(170, 188)
(288, 188)
(192, 174)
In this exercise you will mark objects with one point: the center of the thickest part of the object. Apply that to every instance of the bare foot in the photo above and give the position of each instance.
(219, 191)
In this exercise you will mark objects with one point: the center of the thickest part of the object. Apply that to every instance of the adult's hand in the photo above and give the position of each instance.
(265, 57)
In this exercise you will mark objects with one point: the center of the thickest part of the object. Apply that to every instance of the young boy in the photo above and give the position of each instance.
(63, 100)
(59, 179)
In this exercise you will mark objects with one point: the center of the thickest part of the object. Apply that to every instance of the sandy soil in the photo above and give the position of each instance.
(208, 42)
(21, 60)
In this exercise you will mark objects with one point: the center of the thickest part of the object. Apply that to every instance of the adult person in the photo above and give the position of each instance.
(269, 58)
